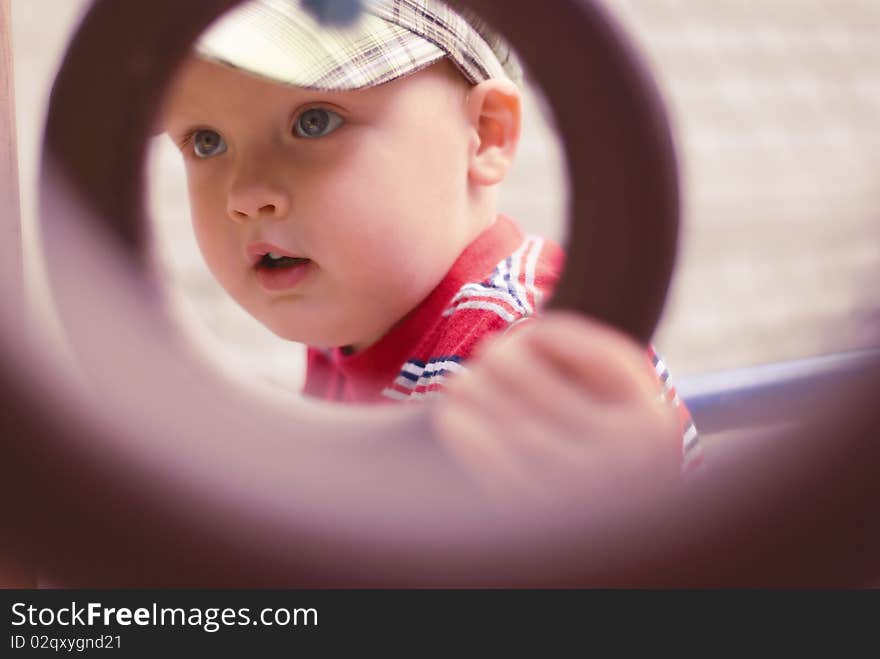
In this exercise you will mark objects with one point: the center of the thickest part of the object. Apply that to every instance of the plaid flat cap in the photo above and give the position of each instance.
(282, 41)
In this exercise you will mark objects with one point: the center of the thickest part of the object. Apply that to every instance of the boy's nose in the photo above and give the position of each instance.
(257, 199)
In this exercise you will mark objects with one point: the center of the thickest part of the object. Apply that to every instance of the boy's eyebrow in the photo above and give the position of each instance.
(341, 98)
(297, 96)
(176, 126)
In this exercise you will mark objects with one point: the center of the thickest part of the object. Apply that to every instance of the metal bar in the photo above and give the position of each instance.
(769, 394)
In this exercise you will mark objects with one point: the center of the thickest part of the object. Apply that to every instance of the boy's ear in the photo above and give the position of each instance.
(494, 109)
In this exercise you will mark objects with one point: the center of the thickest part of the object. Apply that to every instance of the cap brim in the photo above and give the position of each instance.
(285, 44)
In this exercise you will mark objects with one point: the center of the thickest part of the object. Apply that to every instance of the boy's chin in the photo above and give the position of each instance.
(336, 333)
(316, 338)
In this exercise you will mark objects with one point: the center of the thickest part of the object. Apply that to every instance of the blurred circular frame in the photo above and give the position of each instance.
(154, 473)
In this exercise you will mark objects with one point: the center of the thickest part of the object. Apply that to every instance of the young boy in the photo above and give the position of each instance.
(342, 187)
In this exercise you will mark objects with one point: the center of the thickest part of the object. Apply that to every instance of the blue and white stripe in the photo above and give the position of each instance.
(505, 286)
(417, 375)
(663, 375)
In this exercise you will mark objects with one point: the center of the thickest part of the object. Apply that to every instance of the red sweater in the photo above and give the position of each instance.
(499, 280)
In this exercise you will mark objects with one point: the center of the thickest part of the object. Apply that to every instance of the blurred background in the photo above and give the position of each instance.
(775, 107)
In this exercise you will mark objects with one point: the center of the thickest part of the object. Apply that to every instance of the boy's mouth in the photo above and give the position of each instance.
(266, 256)
(276, 268)
(273, 260)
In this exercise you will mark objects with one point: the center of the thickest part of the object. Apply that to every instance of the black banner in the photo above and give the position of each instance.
(127, 623)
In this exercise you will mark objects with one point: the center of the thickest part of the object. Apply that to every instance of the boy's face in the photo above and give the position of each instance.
(367, 189)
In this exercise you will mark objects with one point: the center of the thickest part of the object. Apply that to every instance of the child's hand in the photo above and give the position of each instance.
(564, 402)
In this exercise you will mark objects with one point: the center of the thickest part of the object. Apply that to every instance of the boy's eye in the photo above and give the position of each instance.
(208, 143)
(317, 122)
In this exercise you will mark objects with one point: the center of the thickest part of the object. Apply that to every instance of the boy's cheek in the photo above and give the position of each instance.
(205, 194)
